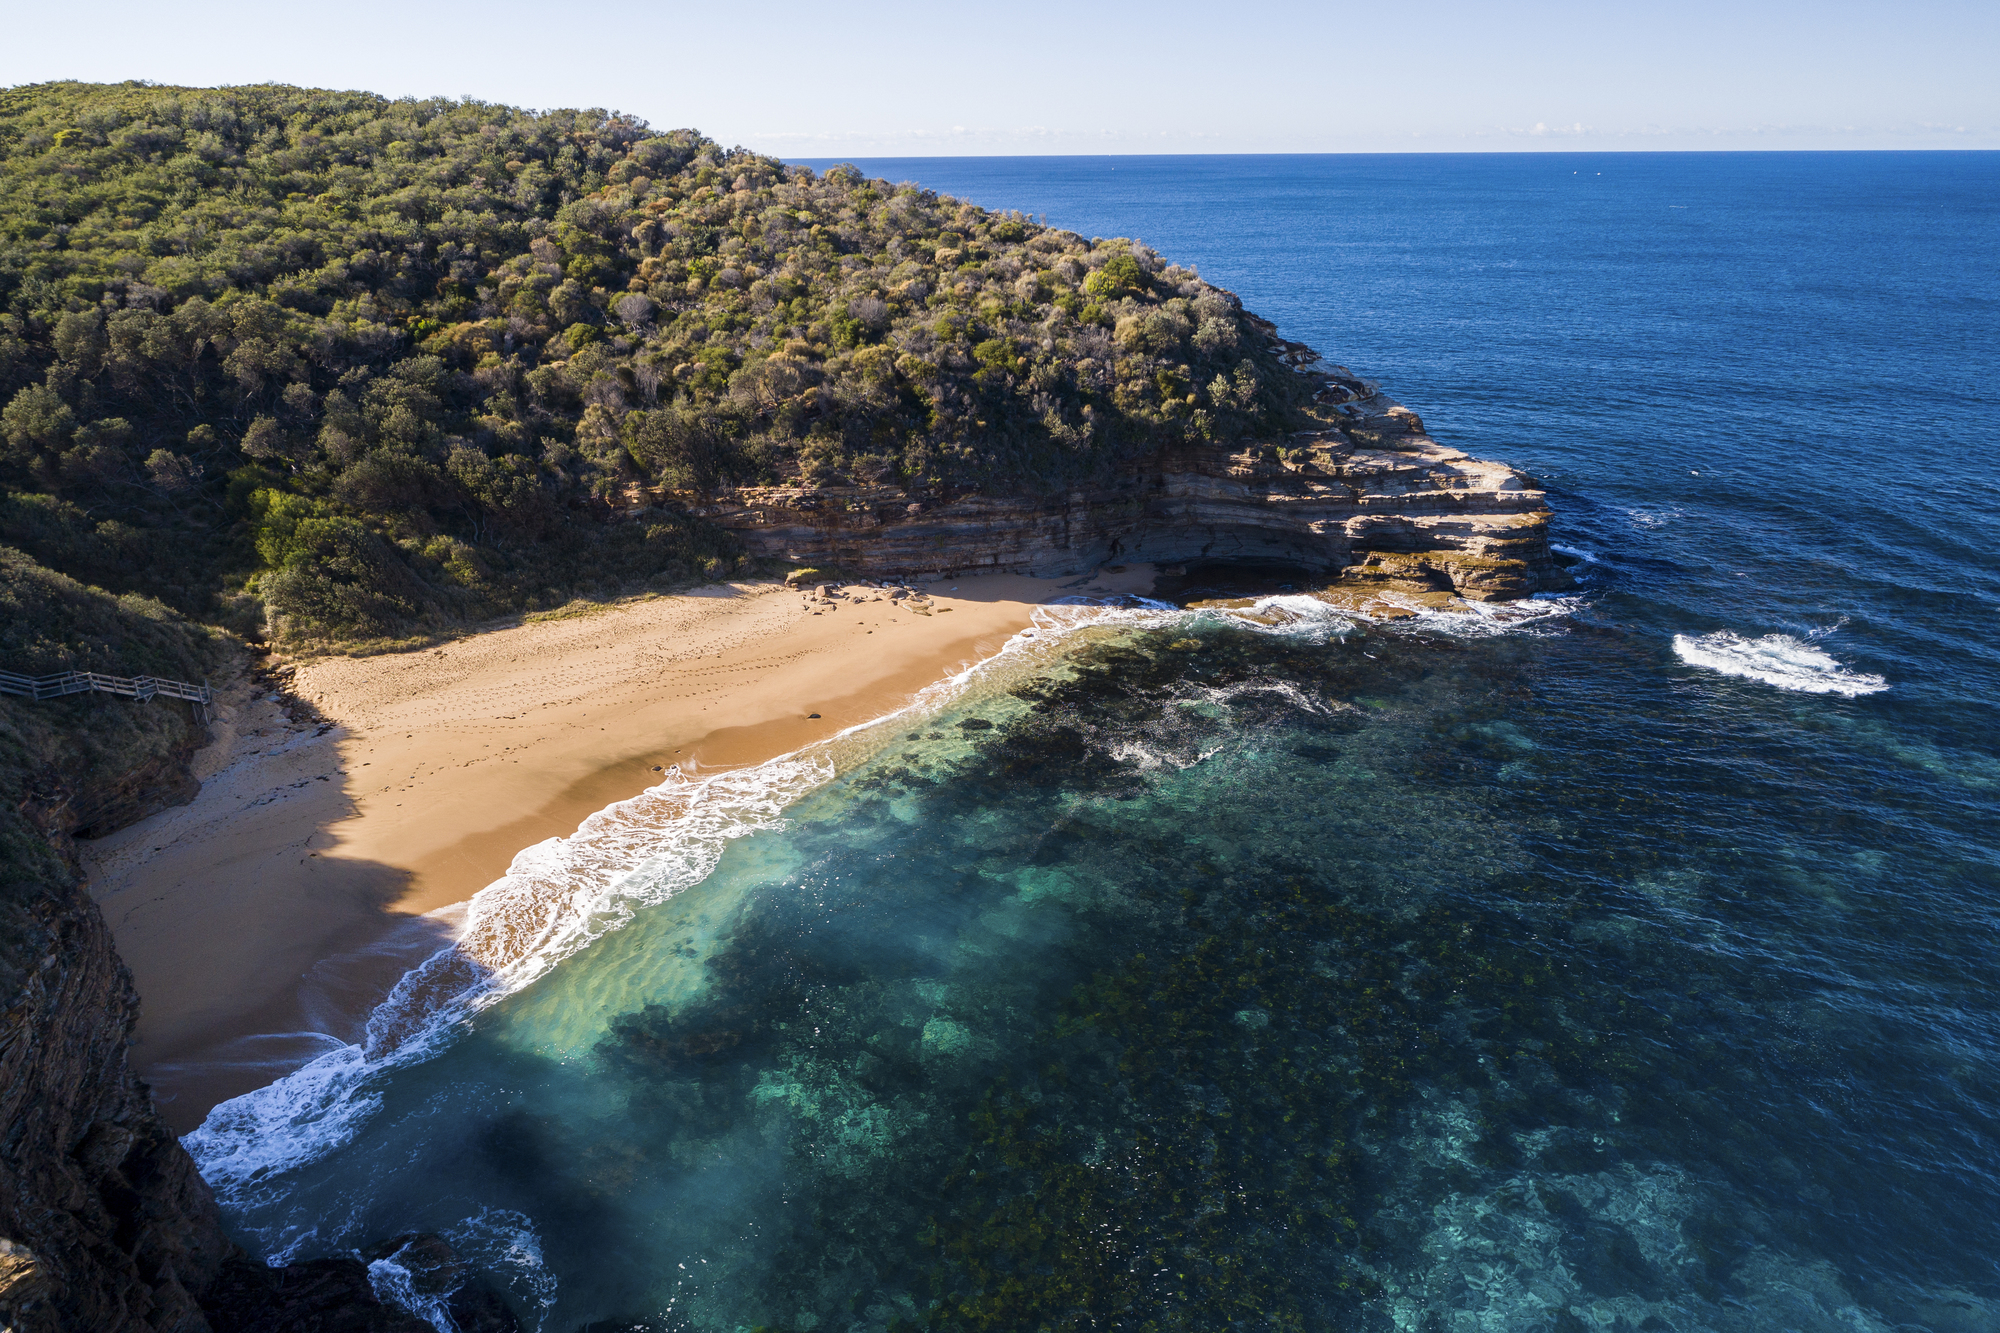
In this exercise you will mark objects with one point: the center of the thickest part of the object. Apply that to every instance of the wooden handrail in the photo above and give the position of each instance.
(79, 682)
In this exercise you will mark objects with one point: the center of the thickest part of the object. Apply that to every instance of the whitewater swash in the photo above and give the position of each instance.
(265, 920)
(1275, 864)
(561, 894)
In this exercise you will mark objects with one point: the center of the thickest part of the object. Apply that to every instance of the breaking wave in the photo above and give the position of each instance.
(1298, 615)
(560, 895)
(1468, 619)
(1776, 659)
(499, 1242)
(1582, 554)
(555, 899)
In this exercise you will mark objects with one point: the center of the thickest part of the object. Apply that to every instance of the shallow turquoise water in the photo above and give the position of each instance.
(1625, 967)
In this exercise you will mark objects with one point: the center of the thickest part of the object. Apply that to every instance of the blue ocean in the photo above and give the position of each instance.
(1623, 960)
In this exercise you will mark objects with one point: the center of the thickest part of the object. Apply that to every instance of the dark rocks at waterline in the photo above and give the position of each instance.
(320, 1296)
(335, 1295)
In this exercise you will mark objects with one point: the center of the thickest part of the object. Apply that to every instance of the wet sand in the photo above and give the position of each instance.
(265, 920)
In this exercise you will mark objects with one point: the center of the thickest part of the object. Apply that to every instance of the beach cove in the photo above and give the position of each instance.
(264, 921)
(1612, 959)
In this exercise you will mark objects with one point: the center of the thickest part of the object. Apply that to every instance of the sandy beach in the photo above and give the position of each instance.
(264, 920)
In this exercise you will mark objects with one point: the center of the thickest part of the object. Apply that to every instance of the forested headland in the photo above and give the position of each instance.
(362, 369)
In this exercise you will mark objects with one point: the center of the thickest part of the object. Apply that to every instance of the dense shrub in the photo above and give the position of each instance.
(61, 759)
(447, 319)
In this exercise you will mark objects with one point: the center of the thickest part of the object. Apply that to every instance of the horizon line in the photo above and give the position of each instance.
(1396, 152)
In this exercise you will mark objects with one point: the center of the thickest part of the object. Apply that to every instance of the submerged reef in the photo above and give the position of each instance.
(1219, 975)
(1073, 1064)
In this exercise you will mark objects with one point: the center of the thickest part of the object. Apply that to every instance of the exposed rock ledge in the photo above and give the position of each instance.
(1369, 497)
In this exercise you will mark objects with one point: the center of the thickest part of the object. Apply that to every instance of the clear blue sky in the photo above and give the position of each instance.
(834, 80)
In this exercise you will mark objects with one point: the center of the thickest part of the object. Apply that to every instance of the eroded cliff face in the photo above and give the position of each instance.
(107, 1225)
(112, 1226)
(1368, 497)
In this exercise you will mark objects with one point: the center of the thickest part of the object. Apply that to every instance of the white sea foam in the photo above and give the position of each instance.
(1776, 659)
(1140, 755)
(503, 1244)
(1289, 614)
(1307, 616)
(1655, 518)
(1227, 695)
(497, 1242)
(396, 1285)
(560, 895)
(1477, 620)
(1066, 614)
(507, 1238)
(1583, 553)
(1297, 615)
(556, 897)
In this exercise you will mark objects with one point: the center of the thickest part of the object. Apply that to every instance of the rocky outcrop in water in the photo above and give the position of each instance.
(1368, 497)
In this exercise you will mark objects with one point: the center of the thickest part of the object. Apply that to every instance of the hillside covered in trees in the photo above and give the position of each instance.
(379, 365)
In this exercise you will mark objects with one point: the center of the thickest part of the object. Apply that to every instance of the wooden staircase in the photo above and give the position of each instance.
(141, 688)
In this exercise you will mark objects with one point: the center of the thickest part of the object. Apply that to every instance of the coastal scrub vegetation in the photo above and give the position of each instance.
(73, 763)
(374, 366)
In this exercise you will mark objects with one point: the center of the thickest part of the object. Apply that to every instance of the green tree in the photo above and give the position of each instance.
(447, 320)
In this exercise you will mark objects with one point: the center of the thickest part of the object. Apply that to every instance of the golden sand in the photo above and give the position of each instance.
(275, 910)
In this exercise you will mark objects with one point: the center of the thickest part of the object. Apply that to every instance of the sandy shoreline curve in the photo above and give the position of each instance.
(264, 920)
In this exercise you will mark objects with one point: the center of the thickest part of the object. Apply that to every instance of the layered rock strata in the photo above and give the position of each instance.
(1368, 497)
(107, 1224)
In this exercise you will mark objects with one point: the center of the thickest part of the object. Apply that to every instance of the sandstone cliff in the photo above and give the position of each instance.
(105, 1227)
(106, 1223)
(1368, 497)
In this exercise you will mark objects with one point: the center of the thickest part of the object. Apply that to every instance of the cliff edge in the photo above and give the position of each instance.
(1366, 497)
(105, 1225)
(104, 1222)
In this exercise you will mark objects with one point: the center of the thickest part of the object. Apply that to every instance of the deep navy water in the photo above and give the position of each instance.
(1630, 963)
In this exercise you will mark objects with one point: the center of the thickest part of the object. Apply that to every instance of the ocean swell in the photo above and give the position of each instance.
(561, 895)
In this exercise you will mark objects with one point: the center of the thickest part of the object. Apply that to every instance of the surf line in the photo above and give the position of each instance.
(556, 898)
(560, 895)
(1779, 660)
